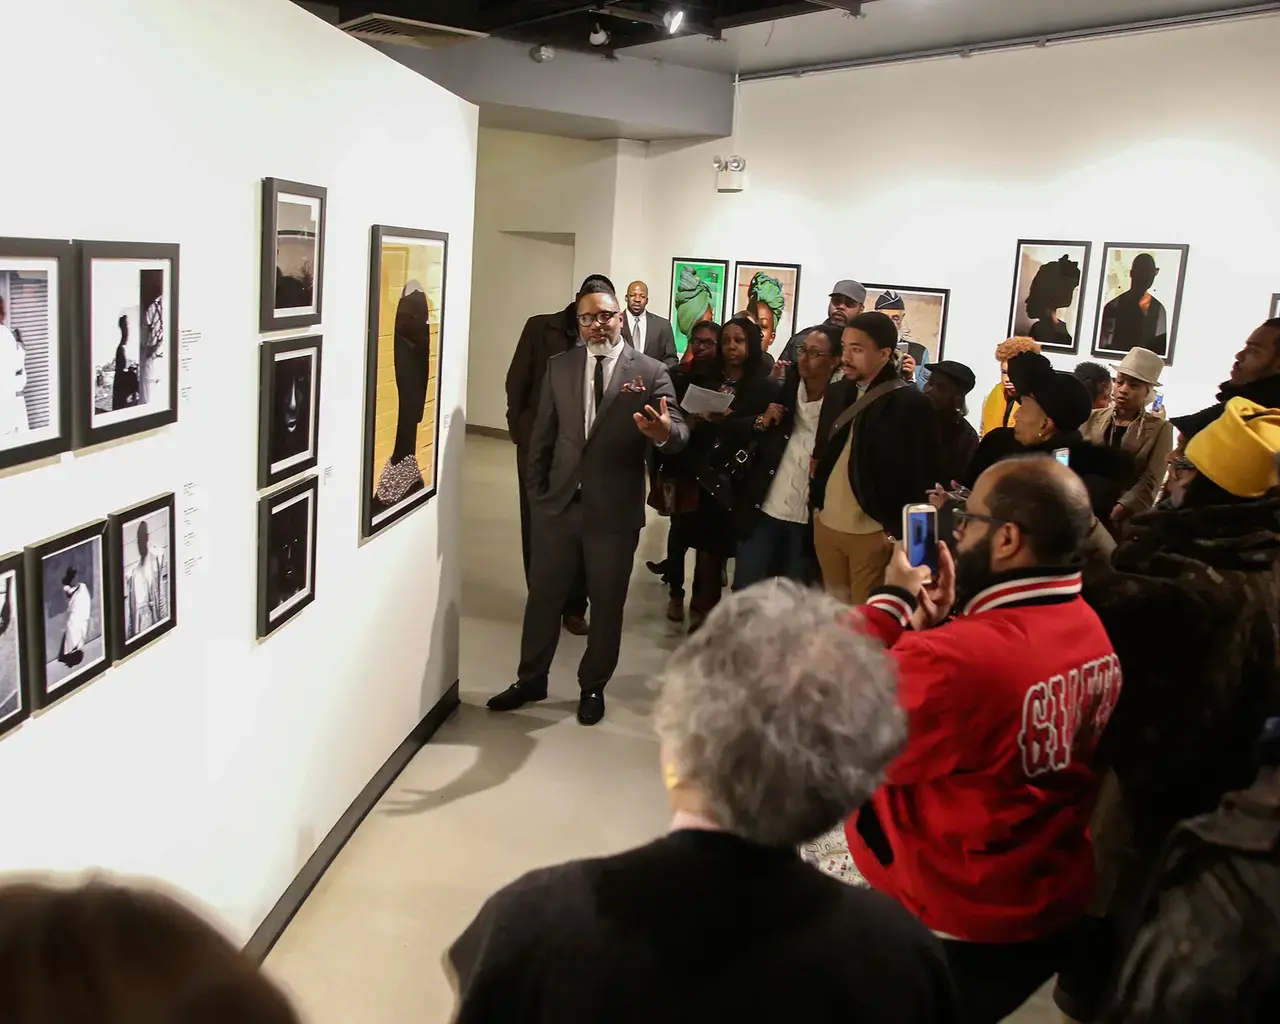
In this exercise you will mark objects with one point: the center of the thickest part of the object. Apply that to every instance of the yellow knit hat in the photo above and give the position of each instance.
(1237, 451)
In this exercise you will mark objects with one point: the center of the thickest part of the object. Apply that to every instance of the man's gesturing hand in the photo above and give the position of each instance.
(655, 424)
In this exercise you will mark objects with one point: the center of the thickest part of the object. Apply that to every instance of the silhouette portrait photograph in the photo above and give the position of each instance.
(130, 366)
(402, 383)
(67, 612)
(142, 545)
(1140, 299)
(289, 408)
(36, 282)
(13, 623)
(292, 260)
(286, 553)
(1048, 293)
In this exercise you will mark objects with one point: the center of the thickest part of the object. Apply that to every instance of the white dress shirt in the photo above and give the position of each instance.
(637, 325)
(788, 497)
(610, 364)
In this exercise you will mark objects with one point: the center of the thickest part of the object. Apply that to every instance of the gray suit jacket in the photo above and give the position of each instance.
(659, 338)
(609, 465)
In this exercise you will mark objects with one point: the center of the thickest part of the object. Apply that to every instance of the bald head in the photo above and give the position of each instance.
(637, 297)
(1045, 499)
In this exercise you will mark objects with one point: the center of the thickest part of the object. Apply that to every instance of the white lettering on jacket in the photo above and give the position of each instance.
(1063, 718)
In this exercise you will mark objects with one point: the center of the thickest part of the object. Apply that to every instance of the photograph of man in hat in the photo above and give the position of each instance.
(1128, 425)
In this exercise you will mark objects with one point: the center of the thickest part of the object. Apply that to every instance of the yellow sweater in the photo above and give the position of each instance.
(993, 410)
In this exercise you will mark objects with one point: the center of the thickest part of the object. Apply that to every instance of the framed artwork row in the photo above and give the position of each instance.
(74, 604)
(87, 343)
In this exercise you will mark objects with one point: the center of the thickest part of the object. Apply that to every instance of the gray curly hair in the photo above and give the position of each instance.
(780, 713)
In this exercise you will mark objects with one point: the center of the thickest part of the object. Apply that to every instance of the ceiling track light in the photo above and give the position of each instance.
(598, 36)
(673, 19)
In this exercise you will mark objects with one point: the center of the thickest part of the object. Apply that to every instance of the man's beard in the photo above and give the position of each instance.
(600, 346)
(973, 571)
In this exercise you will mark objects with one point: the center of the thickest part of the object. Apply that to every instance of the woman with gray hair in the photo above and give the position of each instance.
(776, 721)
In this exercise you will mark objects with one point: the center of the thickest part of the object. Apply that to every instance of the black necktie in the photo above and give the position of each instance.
(599, 383)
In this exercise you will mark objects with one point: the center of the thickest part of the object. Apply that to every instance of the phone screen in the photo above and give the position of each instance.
(922, 536)
(1158, 404)
(902, 348)
(1063, 455)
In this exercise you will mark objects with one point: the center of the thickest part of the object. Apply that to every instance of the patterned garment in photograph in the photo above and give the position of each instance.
(830, 855)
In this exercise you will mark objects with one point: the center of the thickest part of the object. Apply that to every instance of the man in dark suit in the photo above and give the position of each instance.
(646, 331)
(544, 336)
(602, 405)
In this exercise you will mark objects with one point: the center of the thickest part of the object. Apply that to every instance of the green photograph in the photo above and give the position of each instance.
(697, 293)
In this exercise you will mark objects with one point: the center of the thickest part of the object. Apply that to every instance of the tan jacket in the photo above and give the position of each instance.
(1149, 439)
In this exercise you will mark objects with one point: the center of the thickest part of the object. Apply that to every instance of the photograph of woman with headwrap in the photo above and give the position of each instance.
(1047, 298)
(402, 384)
(769, 291)
(697, 294)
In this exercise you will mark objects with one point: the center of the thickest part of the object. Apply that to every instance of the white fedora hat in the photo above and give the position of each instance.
(1142, 364)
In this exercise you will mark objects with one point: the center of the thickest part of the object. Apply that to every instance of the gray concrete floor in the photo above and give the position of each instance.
(491, 796)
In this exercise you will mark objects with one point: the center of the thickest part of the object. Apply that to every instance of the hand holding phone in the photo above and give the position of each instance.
(920, 535)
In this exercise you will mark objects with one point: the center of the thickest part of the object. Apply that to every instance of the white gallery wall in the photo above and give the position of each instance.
(926, 174)
(211, 760)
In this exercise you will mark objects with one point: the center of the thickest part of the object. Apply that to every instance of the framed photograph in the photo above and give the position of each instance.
(289, 408)
(921, 317)
(14, 706)
(1140, 298)
(292, 284)
(698, 292)
(37, 322)
(126, 373)
(66, 613)
(402, 381)
(142, 541)
(1048, 293)
(1275, 306)
(770, 291)
(286, 553)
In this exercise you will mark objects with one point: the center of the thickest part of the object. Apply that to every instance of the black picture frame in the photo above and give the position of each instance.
(57, 372)
(1018, 295)
(273, 355)
(272, 612)
(373, 520)
(1097, 349)
(86, 430)
(875, 290)
(13, 640)
(720, 315)
(43, 692)
(123, 604)
(782, 332)
(270, 315)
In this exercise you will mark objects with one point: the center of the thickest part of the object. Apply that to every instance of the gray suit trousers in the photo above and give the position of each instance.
(561, 549)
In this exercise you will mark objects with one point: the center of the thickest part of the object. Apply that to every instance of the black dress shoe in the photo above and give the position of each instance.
(590, 708)
(517, 695)
(577, 625)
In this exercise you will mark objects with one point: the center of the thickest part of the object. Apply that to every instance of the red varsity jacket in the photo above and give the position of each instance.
(981, 826)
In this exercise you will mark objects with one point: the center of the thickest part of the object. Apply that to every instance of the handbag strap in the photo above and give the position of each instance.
(868, 396)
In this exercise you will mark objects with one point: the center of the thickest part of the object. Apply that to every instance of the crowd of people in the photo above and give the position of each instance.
(1045, 753)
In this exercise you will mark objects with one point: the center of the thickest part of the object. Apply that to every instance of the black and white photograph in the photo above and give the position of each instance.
(128, 357)
(1048, 293)
(68, 613)
(293, 216)
(289, 413)
(143, 539)
(13, 698)
(36, 314)
(1140, 299)
(286, 553)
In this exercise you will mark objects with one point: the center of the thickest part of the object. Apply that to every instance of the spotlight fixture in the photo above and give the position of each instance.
(673, 19)
(598, 36)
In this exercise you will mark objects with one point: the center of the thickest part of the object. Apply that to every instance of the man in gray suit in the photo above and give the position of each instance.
(646, 331)
(602, 405)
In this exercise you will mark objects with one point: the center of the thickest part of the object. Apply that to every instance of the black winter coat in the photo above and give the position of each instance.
(753, 486)
(895, 449)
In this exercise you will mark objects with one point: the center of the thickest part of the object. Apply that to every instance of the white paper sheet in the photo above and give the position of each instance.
(701, 402)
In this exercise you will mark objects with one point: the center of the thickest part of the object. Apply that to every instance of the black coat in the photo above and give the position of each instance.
(752, 487)
(544, 336)
(697, 927)
(1265, 392)
(895, 449)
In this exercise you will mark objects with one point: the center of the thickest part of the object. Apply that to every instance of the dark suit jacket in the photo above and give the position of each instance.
(544, 336)
(609, 465)
(659, 338)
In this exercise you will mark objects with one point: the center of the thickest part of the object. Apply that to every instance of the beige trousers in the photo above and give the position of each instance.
(852, 564)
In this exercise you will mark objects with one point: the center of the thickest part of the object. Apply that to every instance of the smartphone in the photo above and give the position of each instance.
(902, 348)
(1158, 404)
(1063, 455)
(920, 533)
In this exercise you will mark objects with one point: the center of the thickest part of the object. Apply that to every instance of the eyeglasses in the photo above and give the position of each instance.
(1181, 464)
(815, 353)
(962, 517)
(603, 319)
